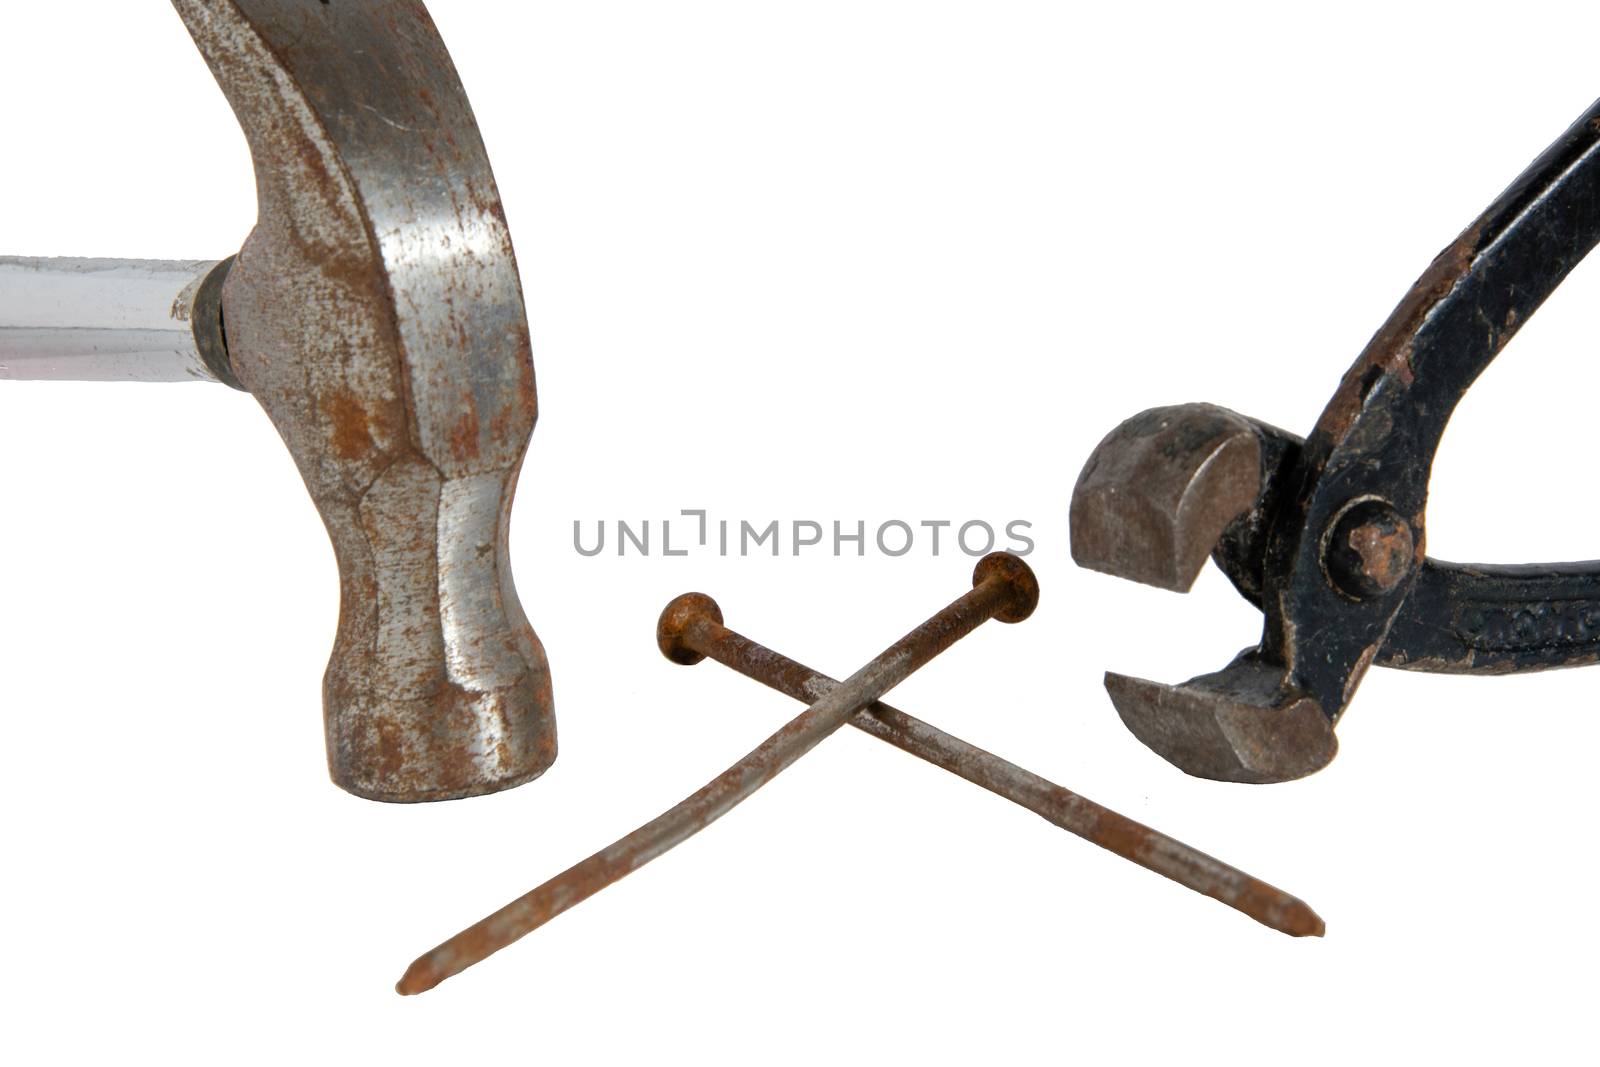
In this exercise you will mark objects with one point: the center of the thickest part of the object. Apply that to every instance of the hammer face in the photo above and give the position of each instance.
(376, 313)
(438, 688)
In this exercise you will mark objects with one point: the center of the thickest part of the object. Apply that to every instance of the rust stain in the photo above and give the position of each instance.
(391, 749)
(1388, 355)
(500, 427)
(349, 425)
(1385, 550)
(464, 436)
(526, 384)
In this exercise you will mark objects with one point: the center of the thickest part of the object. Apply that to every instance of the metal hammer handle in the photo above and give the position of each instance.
(111, 320)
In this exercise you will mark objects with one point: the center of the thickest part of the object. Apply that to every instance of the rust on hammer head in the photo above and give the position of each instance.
(376, 313)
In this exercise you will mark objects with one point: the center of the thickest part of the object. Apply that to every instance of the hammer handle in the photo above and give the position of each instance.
(101, 320)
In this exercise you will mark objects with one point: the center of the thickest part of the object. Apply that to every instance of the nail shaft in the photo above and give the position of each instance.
(1003, 587)
(705, 635)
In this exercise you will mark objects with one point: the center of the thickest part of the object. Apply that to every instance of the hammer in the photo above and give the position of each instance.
(376, 314)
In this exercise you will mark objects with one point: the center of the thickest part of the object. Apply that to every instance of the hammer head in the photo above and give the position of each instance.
(376, 313)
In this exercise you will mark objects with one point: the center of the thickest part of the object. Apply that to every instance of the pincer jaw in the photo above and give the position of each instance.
(1241, 724)
(1157, 493)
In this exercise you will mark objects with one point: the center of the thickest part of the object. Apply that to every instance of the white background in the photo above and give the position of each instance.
(811, 261)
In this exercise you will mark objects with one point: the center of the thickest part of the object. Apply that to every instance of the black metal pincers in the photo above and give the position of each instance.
(1326, 534)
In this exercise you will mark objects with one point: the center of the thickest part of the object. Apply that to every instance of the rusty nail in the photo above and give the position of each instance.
(691, 630)
(1004, 588)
